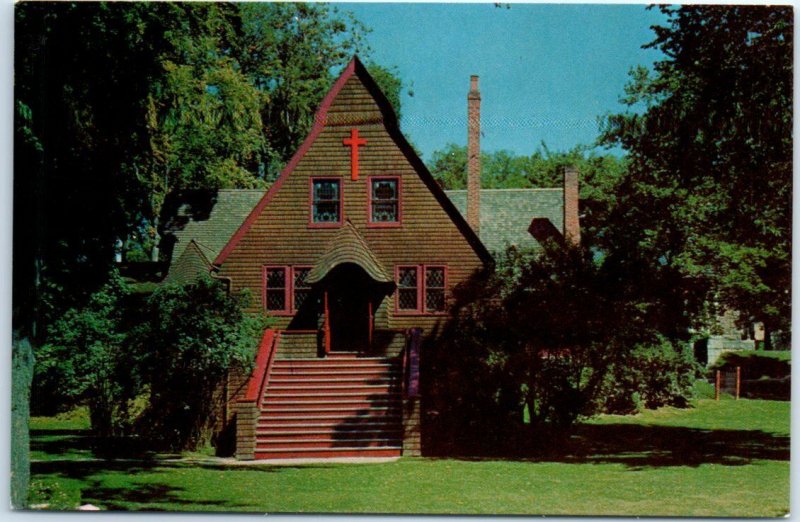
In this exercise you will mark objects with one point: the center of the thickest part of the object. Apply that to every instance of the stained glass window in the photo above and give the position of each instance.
(326, 201)
(275, 290)
(385, 201)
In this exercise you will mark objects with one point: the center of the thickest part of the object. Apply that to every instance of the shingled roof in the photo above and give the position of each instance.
(506, 214)
(209, 218)
(189, 265)
(348, 246)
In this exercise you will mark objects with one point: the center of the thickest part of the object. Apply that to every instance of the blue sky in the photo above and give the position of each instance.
(546, 71)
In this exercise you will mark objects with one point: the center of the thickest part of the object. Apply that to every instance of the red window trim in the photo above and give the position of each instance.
(288, 290)
(385, 224)
(293, 269)
(311, 181)
(421, 287)
(287, 285)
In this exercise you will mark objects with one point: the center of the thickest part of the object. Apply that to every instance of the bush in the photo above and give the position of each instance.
(87, 359)
(652, 375)
(151, 369)
(539, 332)
(553, 333)
(192, 336)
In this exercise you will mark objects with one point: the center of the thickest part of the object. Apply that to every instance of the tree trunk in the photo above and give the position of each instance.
(22, 376)
(154, 253)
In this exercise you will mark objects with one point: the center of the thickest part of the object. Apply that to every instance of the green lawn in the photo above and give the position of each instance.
(727, 458)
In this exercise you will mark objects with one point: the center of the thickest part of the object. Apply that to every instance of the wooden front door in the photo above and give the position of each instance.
(349, 308)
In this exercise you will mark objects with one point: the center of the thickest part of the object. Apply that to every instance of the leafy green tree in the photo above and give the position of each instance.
(542, 169)
(88, 360)
(289, 53)
(554, 334)
(203, 114)
(192, 336)
(390, 83)
(599, 176)
(449, 167)
(709, 139)
(119, 104)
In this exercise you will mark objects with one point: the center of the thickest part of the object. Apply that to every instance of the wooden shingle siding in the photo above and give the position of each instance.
(246, 421)
(298, 346)
(412, 427)
(280, 235)
(388, 343)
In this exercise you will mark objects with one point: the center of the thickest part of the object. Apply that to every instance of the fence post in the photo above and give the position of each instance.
(716, 387)
(738, 381)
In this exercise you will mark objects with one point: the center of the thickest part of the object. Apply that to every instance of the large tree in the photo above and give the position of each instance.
(119, 104)
(709, 138)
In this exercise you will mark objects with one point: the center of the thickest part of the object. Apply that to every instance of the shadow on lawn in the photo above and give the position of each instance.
(640, 447)
(121, 498)
(57, 443)
(95, 477)
(654, 446)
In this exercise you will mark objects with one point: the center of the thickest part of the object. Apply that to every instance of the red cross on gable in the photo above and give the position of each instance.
(354, 142)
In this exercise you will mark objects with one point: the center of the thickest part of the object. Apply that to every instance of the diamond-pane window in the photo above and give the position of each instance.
(434, 277)
(408, 277)
(275, 289)
(422, 289)
(434, 289)
(385, 199)
(326, 201)
(301, 288)
(407, 288)
(434, 300)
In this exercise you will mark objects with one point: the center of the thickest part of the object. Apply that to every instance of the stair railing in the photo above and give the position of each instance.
(411, 363)
(249, 405)
(260, 377)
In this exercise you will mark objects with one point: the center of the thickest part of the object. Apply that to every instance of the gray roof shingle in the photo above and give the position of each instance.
(506, 214)
(210, 218)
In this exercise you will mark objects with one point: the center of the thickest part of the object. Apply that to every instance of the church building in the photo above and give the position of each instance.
(354, 251)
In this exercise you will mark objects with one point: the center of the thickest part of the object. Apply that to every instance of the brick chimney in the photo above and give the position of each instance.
(474, 155)
(572, 226)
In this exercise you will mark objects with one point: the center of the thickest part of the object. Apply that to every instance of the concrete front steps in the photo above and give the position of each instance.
(340, 406)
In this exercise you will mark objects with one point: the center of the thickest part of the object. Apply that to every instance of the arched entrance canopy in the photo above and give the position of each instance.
(347, 246)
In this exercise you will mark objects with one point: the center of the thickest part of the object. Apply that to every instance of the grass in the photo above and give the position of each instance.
(63, 436)
(770, 417)
(726, 458)
(77, 419)
(781, 355)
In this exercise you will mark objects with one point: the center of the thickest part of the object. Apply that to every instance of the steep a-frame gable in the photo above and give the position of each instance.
(279, 231)
(357, 90)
